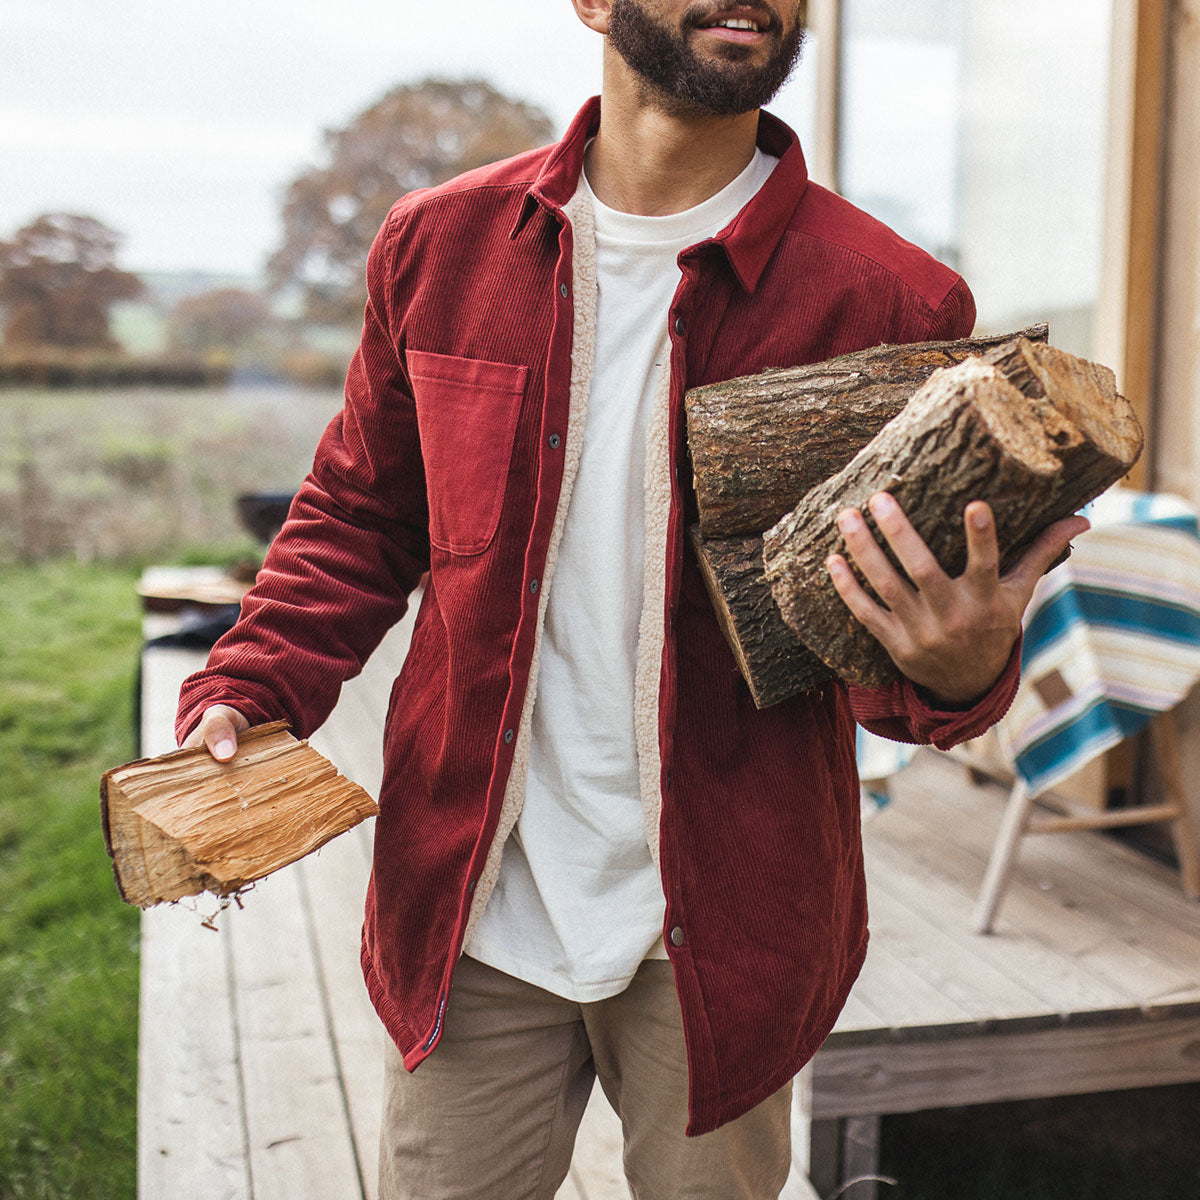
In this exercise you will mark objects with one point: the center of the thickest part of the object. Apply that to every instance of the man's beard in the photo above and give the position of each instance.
(681, 81)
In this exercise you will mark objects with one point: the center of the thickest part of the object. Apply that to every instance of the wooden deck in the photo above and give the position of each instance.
(260, 1076)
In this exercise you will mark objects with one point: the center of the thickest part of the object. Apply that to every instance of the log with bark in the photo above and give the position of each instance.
(184, 823)
(1032, 430)
(760, 442)
(774, 662)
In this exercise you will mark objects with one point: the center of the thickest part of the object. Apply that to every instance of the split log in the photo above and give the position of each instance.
(1032, 430)
(760, 442)
(774, 662)
(184, 823)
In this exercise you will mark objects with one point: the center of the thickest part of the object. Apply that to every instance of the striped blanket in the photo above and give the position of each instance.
(1112, 636)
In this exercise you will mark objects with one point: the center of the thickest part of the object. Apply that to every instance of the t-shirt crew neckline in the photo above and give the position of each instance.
(694, 224)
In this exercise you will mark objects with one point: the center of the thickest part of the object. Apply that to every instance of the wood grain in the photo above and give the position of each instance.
(184, 823)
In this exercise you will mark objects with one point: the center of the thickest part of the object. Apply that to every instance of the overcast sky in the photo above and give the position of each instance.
(180, 122)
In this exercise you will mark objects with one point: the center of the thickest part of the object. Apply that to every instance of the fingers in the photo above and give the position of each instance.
(983, 551)
(907, 544)
(218, 731)
(874, 619)
(871, 560)
(1045, 548)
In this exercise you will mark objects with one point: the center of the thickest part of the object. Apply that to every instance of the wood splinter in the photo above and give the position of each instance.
(183, 823)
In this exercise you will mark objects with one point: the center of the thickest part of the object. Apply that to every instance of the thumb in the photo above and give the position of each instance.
(218, 731)
(1046, 547)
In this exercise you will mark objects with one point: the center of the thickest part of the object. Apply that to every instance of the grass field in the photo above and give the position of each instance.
(135, 472)
(68, 945)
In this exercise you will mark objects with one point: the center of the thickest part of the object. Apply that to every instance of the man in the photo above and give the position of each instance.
(651, 880)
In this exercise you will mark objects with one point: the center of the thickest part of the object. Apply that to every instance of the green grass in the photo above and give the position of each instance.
(68, 946)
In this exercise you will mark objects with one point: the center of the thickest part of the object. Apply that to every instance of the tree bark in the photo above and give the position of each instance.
(760, 442)
(1032, 430)
(183, 823)
(774, 662)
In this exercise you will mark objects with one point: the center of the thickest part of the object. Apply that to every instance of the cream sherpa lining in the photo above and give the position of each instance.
(651, 630)
(583, 346)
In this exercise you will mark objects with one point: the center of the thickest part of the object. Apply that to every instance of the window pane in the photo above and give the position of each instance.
(976, 128)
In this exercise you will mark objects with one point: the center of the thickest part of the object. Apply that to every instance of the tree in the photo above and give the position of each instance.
(416, 136)
(59, 280)
(225, 320)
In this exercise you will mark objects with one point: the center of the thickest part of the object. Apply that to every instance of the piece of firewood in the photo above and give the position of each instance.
(774, 662)
(184, 823)
(760, 442)
(1032, 430)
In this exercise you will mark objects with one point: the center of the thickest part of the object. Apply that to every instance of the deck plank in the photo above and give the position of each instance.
(1093, 900)
(983, 991)
(1070, 1060)
(912, 1001)
(1027, 951)
(333, 886)
(300, 1140)
(191, 1124)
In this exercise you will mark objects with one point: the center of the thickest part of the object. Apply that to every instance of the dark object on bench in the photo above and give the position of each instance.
(263, 513)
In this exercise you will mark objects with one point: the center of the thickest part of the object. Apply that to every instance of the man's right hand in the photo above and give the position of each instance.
(218, 730)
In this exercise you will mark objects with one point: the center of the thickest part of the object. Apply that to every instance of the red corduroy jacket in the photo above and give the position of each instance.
(448, 459)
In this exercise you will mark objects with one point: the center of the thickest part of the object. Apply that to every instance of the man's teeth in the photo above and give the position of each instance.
(737, 23)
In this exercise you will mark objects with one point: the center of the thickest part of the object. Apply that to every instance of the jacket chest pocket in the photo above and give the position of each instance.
(467, 413)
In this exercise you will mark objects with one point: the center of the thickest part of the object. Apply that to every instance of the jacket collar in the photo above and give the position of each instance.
(747, 242)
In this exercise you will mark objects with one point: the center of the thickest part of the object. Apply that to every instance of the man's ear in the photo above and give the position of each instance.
(594, 13)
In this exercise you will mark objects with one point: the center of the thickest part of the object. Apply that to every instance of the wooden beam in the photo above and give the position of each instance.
(825, 20)
(1092, 1056)
(1129, 306)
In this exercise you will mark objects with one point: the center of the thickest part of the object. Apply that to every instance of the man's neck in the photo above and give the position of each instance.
(650, 162)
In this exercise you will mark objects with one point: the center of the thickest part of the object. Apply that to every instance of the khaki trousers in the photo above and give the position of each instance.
(492, 1113)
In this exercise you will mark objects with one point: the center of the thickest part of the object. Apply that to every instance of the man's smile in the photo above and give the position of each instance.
(744, 25)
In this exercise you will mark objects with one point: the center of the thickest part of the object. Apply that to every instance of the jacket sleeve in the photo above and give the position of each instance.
(355, 544)
(902, 711)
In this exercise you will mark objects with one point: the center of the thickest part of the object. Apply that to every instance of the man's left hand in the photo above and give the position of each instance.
(953, 637)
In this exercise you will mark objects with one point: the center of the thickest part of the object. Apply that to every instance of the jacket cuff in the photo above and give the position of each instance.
(944, 728)
(202, 690)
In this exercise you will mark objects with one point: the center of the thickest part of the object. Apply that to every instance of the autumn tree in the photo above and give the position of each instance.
(59, 281)
(224, 320)
(417, 136)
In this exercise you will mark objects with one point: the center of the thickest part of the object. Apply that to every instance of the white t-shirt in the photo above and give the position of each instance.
(579, 903)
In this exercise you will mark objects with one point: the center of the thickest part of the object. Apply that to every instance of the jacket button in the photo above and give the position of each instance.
(562, 290)
(680, 326)
(533, 585)
(677, 936)
(555, 441)
(508, 737)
